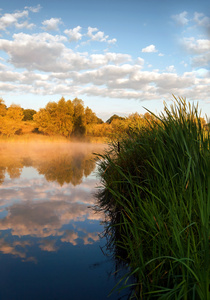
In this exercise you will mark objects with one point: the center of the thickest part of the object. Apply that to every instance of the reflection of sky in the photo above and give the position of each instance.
(38, 208)
(30, 173)
(32, 207)
(49, 235)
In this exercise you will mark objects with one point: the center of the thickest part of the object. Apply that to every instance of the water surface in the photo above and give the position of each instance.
(49, 234)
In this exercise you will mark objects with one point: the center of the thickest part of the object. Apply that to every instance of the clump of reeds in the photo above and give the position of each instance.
(156, 190)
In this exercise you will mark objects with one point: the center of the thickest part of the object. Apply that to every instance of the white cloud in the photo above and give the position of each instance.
(171, 69)
(8, 20)
(98, 36)
(140, 61)
(46, 52)
(196, 46)
(25, 25)
(50, 67)
(74, 34)
(95, 35)
(181, 18)
(38, 51)
(200, 49)
(52, 24)
(112, 41)
(34, 9)
(124, 81)
(104, 59)
(201, 60)
(149, 49)
(202, 20)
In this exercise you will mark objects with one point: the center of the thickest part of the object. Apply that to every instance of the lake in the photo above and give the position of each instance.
(49, 234)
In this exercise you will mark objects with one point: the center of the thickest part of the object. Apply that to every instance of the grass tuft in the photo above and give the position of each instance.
(156, 192)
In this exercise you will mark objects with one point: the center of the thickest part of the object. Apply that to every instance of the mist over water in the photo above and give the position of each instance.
(49, 233)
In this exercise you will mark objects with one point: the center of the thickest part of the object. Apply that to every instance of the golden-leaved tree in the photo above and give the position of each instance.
(79, 128)
(10, 119)
(56, 118)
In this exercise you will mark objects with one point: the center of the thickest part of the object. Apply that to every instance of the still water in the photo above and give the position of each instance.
(49, 234)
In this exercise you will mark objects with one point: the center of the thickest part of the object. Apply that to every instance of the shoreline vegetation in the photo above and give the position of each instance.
(67, 120)
(155, 191)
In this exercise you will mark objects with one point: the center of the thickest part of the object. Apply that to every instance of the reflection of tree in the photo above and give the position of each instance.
(67, 168)
(63, 163)
(14, 170)
(27, 161)
(2, 174)
(12, 166)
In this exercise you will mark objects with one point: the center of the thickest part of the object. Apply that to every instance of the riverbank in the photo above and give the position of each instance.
(34, 137)
(156, 192)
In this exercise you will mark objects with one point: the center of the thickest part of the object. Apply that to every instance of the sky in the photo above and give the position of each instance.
(119, 57)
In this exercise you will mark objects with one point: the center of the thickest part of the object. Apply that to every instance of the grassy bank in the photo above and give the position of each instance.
(156, 192)
(40, 138)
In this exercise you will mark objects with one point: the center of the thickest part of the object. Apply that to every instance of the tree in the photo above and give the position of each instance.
(10, 123)
(64, 117)
(3, 108)
(90, 116)
(79, 128)
(109, 121)
(99, 121)
(28, 114)
(56, 118)
(43, 121)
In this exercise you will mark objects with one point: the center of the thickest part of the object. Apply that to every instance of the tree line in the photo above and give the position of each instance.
(68, 118)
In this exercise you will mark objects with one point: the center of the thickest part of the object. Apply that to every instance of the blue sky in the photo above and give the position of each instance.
(117, 56)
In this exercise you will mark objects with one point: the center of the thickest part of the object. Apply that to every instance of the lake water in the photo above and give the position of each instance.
(49, 234)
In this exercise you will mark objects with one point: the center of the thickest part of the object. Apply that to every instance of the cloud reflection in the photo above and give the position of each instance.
(46, 203)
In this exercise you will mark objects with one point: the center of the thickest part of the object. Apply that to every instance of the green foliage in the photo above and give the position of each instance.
(156, 192)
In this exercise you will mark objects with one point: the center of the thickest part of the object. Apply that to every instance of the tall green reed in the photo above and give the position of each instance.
(156, 191)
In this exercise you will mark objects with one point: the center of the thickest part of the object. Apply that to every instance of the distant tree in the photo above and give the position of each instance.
(79, 128)
(109, 121)
(90, 116)
(3, 108)
(64, 117)
(28, 114)
(10, 123)
(56, 118)
(43, 121)
(99, 121)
